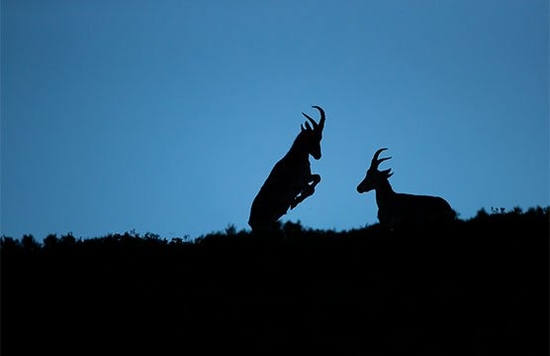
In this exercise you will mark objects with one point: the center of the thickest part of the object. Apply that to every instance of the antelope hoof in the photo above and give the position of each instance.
(316, 179)
(308, 190)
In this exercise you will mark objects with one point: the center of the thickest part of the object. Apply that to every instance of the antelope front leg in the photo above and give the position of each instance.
(309, 189)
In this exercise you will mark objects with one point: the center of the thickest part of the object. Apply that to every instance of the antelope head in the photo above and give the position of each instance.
(312, 134)
(374, 177)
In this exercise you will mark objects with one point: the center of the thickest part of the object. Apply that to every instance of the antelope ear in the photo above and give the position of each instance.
(308, 126)
(302, 127)
(387, 172)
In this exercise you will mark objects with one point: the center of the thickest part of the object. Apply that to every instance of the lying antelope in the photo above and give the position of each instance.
(399, 208)
(290, 180)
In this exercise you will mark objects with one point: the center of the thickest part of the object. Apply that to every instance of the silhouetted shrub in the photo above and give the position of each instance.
(476, 286)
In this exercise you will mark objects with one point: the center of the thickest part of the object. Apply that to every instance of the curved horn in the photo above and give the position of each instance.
(321, 123)
(322, 112)
(375, 161)
(311, 120)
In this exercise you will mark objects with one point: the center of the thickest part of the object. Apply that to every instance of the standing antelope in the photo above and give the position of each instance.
(290, 180)
(399, 208)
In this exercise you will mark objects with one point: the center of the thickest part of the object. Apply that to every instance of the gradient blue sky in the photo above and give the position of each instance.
(167, 116)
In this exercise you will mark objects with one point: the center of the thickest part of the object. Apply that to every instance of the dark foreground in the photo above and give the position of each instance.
(473, 288)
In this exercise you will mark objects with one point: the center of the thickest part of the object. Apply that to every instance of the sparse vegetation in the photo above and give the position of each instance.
(476, 286)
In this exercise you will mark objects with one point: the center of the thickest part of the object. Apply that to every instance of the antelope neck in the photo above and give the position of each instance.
(298, 149)
(383, 191)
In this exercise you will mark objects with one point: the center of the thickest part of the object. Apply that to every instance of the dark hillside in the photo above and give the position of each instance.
(475, 287)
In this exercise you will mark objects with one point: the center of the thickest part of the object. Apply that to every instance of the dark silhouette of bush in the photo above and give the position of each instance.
(476, 286)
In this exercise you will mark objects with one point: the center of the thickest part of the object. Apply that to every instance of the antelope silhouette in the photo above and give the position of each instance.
(396, 209)
(290, 181)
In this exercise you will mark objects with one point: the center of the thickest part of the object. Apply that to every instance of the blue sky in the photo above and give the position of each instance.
(167, 116)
